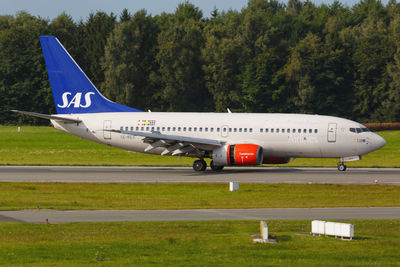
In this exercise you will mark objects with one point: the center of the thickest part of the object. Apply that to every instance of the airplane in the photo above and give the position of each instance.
(228, 139)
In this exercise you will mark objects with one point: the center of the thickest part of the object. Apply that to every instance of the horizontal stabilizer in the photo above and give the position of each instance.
(49, 117)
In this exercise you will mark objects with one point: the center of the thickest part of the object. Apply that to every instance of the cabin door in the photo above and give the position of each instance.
(332, 132)
(107, 129)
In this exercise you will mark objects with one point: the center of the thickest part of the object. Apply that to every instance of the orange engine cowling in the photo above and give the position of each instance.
(239, 154)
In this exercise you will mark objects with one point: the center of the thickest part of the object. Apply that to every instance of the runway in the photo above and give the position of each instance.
(66, 174)
(42, 216)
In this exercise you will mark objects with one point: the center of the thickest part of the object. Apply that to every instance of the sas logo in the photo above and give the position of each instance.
(76, 100)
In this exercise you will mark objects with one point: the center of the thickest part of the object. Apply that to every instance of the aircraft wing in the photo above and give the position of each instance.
(49, 117)
(175, 144)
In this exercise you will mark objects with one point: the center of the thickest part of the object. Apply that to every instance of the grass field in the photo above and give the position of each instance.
(47, 146)
(195, 244)
(15, 196)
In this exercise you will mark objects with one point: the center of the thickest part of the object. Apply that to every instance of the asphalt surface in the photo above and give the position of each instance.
(51, 216)
(65, 174)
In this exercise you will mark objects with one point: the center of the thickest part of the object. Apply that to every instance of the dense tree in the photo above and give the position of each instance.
(23, 79)
(179, 57)
(93, 36)
(222, 54)
(267, 57)
(129, 62)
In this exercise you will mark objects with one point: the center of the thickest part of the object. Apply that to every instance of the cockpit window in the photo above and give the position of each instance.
(359, 130)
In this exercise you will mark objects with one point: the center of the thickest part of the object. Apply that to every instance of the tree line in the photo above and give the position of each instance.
(296, 57)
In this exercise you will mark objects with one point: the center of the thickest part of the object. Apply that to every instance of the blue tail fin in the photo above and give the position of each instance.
(73, 92)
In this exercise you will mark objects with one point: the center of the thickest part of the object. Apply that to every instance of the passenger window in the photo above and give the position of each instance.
(230, 129)
(309, 130)
(272, 130)
(288, 131)
(266, 130)
(235, 130)
(304, 130)
(224, 129)
(217, 129)
(169, 128)
(158, 129)
(245, 130)
(195, 129)
(277, 130)
(294, 131)
(315, 130)
(174, 129)
(131, 128)
(142, 128)
(184, 129)
(211, 129)
(251, 130)
(190, 129)
(261, 130)
(137, 128)
(206, 129)
(152, 128)
(121, 128)
(147, 128)
(126, 128)
(200, 129)
(240, 130)
(179, 129)
(283, 130)
(163, 128)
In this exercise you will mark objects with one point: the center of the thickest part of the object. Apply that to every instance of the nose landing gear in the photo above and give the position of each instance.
(199, 165)
(341, 167)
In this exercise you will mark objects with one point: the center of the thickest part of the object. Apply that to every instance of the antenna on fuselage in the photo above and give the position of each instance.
(229, 111)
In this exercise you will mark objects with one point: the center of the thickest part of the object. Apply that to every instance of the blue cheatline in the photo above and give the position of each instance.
(73, 92)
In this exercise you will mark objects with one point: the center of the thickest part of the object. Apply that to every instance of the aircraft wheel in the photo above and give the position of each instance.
(215, 168)
(199, 165)
(342, 167)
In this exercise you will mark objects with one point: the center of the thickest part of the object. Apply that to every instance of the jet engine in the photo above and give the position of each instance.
(238, 154)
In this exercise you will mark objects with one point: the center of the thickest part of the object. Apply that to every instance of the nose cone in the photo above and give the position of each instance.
(378, 142)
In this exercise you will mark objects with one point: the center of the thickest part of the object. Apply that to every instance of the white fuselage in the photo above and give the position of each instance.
(280, 135)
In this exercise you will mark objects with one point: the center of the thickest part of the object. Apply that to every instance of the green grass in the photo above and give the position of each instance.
(15, 196)
(47, 146)
(195, 244)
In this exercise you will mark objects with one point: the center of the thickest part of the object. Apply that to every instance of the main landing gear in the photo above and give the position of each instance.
(215, 167)
(341, 167)
(200, 165)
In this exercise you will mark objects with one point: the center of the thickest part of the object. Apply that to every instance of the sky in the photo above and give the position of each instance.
(80, 9)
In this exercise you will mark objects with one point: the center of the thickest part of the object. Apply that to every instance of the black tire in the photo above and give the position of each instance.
(215, 167)
(342, 167)
(199, 165)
